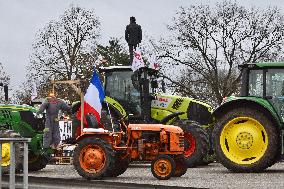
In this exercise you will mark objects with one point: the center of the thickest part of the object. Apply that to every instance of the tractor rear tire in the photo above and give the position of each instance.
(19, 154)
(119, 168)
(163, 167)
(210, 156)
(246, 140)
(93, 158)
(37, 162)
(196, 142)
(181, 166)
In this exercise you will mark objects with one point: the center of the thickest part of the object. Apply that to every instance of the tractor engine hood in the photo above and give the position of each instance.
(155, 127)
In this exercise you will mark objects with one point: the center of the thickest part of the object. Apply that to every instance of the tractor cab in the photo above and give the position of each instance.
(130, 89)
(118, 85)
(265, 80)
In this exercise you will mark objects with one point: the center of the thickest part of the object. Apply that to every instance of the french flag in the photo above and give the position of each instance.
(93, 98)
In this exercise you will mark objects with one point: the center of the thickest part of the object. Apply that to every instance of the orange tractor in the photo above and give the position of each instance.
(107, 152)
(103, 153)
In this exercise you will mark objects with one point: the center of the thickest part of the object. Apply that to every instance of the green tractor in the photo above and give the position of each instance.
(137, 96)
(22, 121)
(248, 134)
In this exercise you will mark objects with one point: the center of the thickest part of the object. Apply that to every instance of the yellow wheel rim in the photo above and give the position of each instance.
(5, 154)
(243, 140)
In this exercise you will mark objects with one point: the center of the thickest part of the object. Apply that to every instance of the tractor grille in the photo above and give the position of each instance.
(181, 141)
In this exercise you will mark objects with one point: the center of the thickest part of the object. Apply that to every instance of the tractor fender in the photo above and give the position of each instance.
(232, 104)
(171, 116)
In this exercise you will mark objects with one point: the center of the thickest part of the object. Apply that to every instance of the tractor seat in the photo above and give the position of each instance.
(92, 121)
(93, 125)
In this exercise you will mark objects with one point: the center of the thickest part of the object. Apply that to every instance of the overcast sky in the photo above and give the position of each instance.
(20, 20)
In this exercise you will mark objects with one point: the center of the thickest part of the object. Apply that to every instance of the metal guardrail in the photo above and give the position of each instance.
(12, 142)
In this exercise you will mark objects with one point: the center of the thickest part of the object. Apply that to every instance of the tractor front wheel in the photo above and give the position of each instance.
(196, 142)
(163, 167)
(246, 140)
(37, 162)
(93, 158)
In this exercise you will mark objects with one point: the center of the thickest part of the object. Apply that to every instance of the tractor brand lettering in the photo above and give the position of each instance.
(6, 114)
(163, 99)
(177, 103)
(161, 102)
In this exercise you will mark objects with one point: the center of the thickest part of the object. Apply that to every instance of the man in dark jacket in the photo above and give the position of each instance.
(133, 36)
(51, 132)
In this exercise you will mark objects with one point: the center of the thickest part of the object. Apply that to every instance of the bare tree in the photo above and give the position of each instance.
(114, 53)
(23, 95)
(64, 50)
(210, 43)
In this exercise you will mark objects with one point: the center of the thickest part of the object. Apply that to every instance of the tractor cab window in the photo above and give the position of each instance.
(119, 87)
(256, 83)
(275, 89)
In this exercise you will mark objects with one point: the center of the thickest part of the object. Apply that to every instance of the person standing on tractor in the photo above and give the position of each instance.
(133, 36)
(52, 105)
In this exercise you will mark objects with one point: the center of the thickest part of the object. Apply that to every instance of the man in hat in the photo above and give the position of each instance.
(133, 36)
(51, 132)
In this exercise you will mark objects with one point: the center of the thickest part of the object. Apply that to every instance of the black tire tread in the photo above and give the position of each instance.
(180, 162)
(38, 164)
(120, 167)
(272, 152)
(202, 141)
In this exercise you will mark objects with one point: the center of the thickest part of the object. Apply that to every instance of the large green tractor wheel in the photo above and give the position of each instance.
(245, 140)
(37, 162)
(6, 161)
(93, 158)
(196, 142)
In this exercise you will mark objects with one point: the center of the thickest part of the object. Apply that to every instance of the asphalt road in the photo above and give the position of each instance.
(211, 176)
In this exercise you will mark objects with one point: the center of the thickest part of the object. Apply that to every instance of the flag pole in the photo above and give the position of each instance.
(82, 113)
(111, 120)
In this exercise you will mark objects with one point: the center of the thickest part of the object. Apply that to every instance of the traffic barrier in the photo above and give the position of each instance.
(12, 141)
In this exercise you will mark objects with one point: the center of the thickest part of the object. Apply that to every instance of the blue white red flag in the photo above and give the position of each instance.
(93, 98)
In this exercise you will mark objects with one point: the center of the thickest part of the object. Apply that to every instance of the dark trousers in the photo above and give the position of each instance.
(51, 133)
(131, 49)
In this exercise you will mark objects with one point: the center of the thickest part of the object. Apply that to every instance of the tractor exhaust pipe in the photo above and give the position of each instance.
(5, 91)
